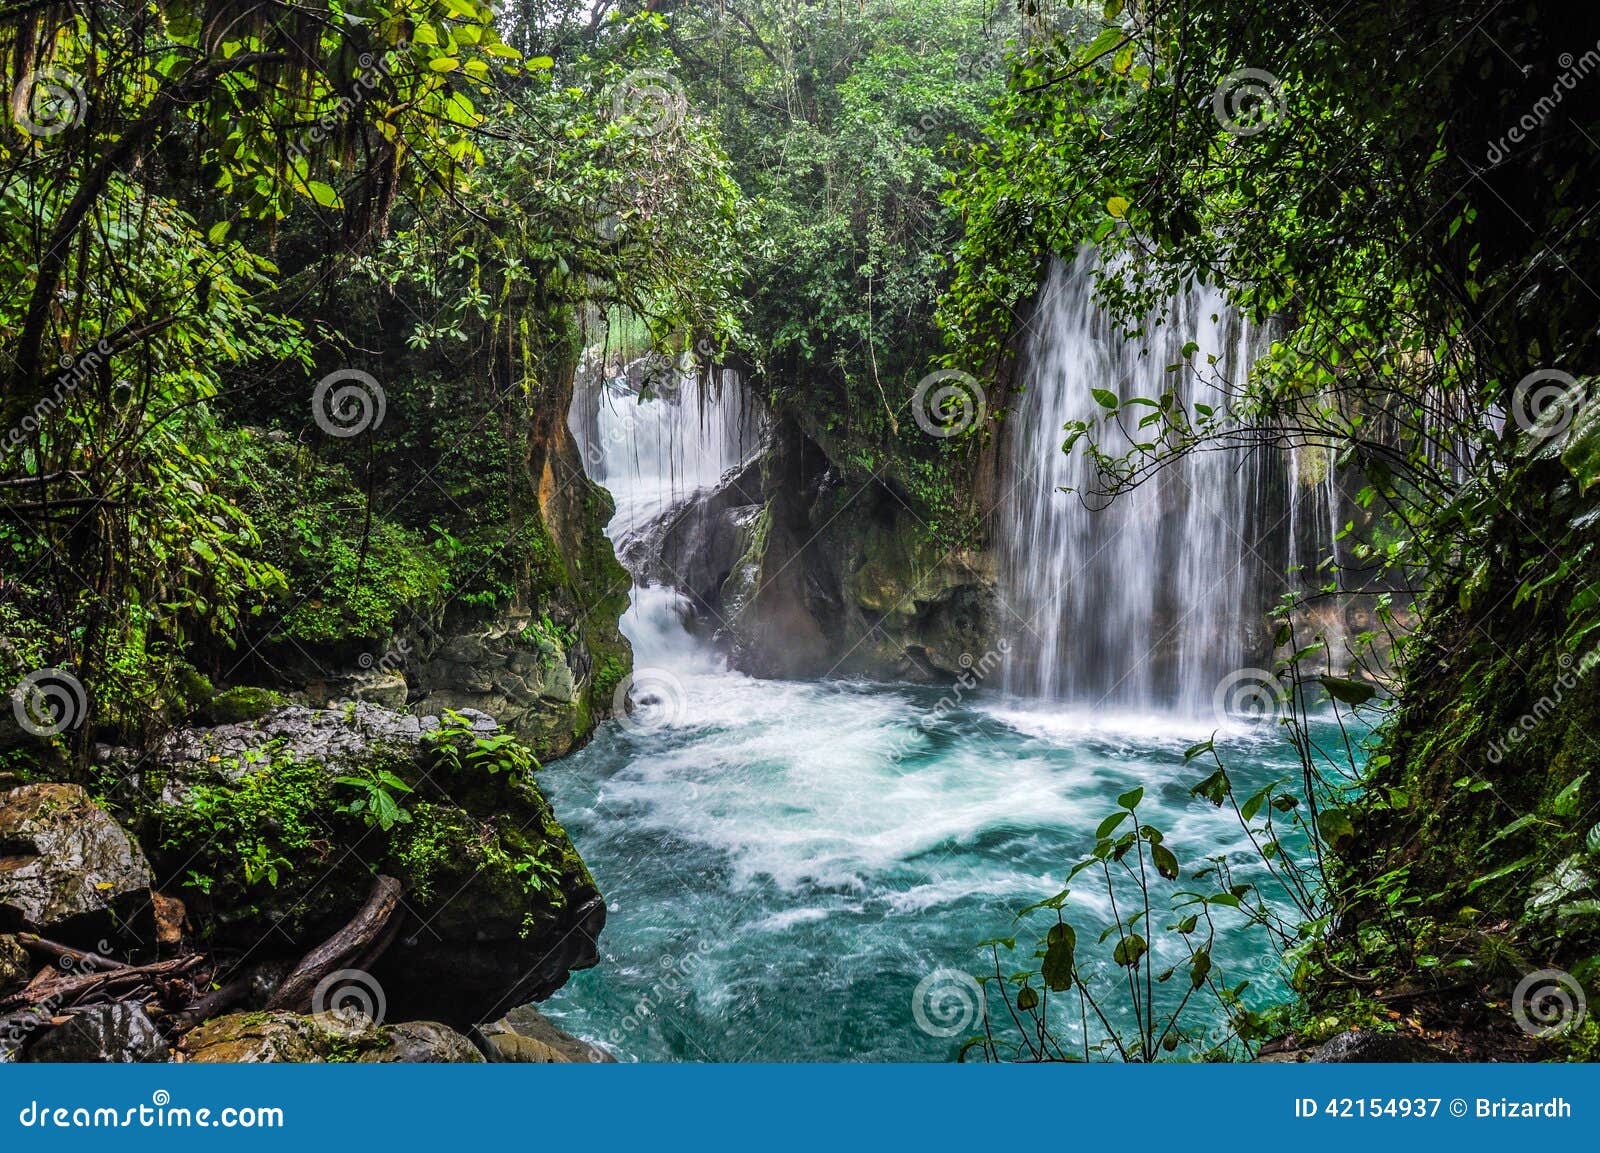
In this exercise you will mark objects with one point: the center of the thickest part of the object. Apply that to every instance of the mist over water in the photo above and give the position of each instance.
(790, 864)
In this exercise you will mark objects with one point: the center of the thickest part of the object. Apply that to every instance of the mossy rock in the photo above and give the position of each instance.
(265, 829)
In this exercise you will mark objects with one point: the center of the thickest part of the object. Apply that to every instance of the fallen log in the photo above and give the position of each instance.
(69, 989)
(66, 957)
(363, 939)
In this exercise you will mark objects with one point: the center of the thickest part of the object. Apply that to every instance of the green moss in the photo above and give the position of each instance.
(239, 704)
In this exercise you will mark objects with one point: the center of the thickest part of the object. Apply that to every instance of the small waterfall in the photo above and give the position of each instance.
(1146, 601)
(655, 436)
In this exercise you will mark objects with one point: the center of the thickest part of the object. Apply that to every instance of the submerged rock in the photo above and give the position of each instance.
(118, 1034)
(67, 870)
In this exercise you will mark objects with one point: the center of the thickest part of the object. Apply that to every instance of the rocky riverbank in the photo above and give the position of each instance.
(351, 884)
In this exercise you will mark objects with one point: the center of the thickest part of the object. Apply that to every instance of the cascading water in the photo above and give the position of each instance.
(800, 870)
(1149, 600)
(655, 436)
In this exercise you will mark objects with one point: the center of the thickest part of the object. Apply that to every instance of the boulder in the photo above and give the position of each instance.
(268, 831)
(265, 1038)
(1365, 1046)
(526, 1036)
(117, 1034)
(67, 870)
(516, 672)
(423, 1042)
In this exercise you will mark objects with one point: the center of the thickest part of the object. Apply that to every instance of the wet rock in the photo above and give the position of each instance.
(255, 1038)
(423, 1042)
(67, 870)
(527, 1036)
(116, 1034)
(1365, 1046)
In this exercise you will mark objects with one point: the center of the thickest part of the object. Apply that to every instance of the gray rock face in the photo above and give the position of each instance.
(423, 1042)
(512, 673)
(326, 736)
(842, 578)
(117, 1034)
(67, 870)
(1366, 1046)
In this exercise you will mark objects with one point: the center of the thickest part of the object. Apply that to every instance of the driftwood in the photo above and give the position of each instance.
(362, 940)
(235, 992)
(66, 957)
(64, 990)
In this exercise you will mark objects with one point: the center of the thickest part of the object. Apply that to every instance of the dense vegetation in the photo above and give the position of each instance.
(293, 297)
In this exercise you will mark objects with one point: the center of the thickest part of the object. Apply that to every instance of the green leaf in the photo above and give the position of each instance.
(1130, 950)
(1200, 968)
(1131, 798)
(323, 194)
(444, 64)
(1109, 825)
(1166, 861)
(1117, 206)
(1060, 947)
(1105, 397)
(1214, 788)
(1350, 692)
(1334, 827)
(1027, 999)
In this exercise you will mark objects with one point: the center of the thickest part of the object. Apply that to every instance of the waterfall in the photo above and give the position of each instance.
(656, 436)
(1149, 600)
